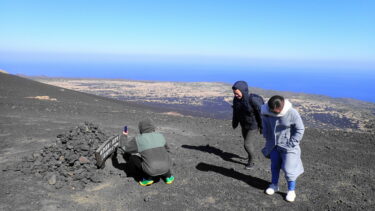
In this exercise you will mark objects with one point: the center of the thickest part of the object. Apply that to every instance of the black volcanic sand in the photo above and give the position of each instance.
(208, 160)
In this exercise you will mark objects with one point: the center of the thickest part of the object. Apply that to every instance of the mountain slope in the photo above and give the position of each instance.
(208, 159)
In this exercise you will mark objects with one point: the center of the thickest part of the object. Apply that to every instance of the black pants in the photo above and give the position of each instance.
(249, 136)
(137, 162)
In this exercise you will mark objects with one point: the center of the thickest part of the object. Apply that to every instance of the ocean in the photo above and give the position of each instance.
(356, 84)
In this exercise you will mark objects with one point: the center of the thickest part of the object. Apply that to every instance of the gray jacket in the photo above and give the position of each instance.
(152, 148)
(284, 130)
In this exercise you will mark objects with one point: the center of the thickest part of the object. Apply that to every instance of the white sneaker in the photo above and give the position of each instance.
(291, 196)
(271, 189)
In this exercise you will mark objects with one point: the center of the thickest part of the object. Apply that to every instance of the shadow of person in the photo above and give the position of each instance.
(250, 180)
(227, 156)
(127, 167)
(281, 194)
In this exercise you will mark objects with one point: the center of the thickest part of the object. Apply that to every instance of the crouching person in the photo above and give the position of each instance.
(149, 154)
(283, 130)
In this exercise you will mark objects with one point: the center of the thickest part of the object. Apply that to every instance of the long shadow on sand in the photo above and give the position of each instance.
(227, 156)
(252, 181)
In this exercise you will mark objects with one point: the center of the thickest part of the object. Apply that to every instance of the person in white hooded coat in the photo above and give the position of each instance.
(283, 130)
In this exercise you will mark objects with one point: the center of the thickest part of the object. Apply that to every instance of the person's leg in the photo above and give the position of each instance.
(137, 162)
(275, 166)
(275, 171)
(292, 166)
(248, 136)
(291, 194)
(291, 185)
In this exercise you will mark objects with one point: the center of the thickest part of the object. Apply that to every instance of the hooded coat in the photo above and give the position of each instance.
(152, 148)
(243, 112)
(284, 131)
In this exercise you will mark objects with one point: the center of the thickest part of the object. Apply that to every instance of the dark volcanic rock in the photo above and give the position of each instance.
(335, 120)
(68, 158)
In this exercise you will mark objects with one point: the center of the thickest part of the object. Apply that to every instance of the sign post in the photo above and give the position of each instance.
(106, 149)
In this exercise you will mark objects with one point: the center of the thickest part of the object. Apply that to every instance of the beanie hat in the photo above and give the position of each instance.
(146, 126)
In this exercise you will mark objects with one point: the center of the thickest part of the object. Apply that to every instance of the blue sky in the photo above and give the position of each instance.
(327, 31)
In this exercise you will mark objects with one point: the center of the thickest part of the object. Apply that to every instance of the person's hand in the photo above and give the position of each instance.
(125, 133)
(234, 125)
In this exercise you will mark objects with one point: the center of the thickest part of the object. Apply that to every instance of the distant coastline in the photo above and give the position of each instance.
(334, 83)
(214, 99)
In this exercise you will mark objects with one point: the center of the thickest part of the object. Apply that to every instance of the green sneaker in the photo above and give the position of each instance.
(169, 180)
(145, 182)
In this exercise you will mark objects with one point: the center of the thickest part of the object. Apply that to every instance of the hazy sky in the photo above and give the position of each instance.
(326, 31)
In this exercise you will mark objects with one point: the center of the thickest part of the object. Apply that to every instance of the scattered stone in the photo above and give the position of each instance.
(52, 180)
(83, 160)
(147, 198)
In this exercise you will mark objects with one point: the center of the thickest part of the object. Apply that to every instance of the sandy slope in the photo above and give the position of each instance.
(208, 159)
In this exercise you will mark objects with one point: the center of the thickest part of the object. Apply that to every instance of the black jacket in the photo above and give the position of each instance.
(243, 112)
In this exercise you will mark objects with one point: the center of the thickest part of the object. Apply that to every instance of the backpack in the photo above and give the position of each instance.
(256, 102)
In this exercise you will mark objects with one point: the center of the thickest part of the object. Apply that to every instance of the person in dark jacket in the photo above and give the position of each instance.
(245, 115)
(149, 154)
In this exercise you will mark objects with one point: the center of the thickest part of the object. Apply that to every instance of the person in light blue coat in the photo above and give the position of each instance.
(283, 130)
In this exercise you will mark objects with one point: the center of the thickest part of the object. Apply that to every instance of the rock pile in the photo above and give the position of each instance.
(71, 161)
